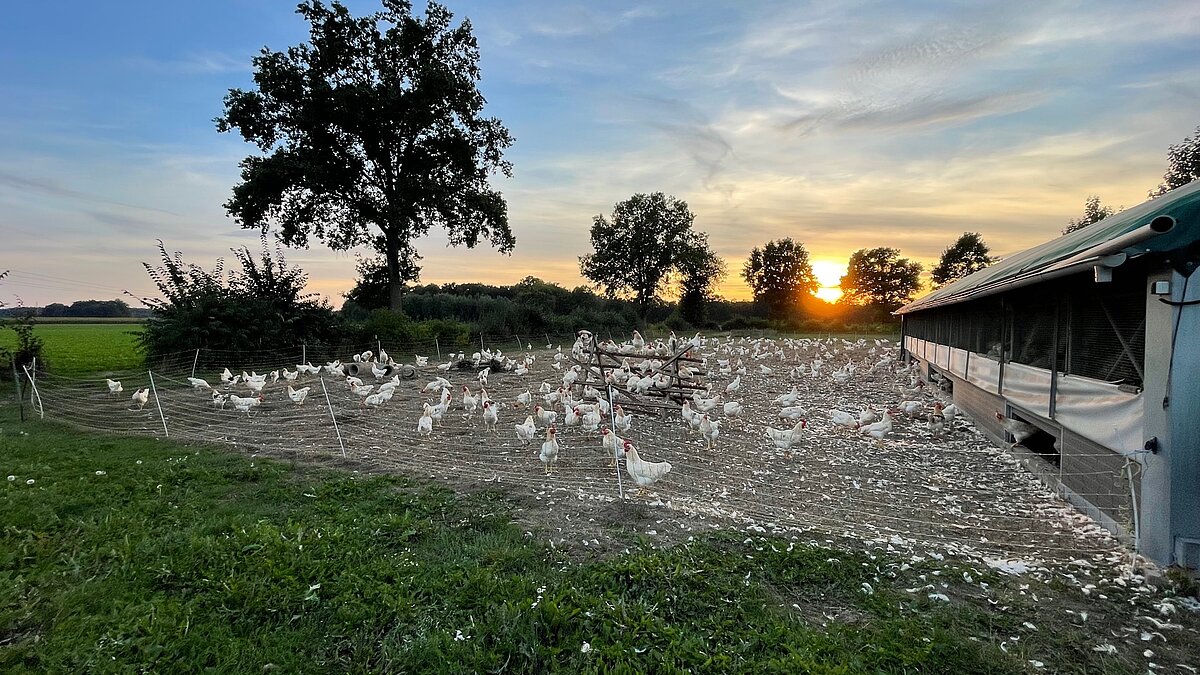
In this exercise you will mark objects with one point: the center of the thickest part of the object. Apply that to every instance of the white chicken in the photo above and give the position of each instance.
(710, 429)
(590, 420)
(141, 397)
(469, 403)
(936, 424)
(219, 399)
(949, 412)
(793, 412)
(732, 387)
(549, 453)
(879, 430)
(1019, 429)
(425, 424)
(571, 417)
(483, 376)
(245, 404)
(547, 417)
(290, 376)
(843, 419)
(623, 421)
(420, 361)
(867, 416)
(732, 408)
(378, 398)
(363, 390)
(642, 472)
(226, 376)
(525, 398)
(614, 444)
(526, 430)
(198, 384)
(379, 372)
(114, 387)
(786, 439)
(435, 385)
(491, 416)
(297, 395)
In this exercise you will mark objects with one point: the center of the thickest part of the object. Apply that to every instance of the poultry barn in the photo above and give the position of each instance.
(1084, 350)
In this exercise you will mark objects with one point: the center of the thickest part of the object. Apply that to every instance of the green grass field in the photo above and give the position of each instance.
(85, 348)
(140, 555)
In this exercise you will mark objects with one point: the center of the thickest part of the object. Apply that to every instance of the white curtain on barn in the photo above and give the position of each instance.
(1100, 412)
(1028, 387)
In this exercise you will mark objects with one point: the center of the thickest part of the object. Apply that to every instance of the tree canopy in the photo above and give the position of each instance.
(1183, 165)
(968, 254)
(701, 270)
(779, 274)
(645, 244)
(1093, 212)
(372, 133)
(880, 277)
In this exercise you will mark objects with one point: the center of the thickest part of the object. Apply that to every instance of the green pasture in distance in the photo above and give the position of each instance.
(84, 349)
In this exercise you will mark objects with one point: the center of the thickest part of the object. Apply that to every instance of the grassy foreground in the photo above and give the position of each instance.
(137, 555)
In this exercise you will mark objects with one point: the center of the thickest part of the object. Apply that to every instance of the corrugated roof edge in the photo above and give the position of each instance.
(1182, 204)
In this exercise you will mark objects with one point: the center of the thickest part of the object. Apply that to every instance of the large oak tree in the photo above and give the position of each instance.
(648, 241)
(371, 134)
(967, 255)
(881, 278)
(779, 274)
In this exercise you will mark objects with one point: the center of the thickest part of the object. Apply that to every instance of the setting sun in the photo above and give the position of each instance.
(829, 276)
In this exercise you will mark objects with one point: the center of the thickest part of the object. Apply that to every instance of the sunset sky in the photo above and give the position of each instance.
(843, 125)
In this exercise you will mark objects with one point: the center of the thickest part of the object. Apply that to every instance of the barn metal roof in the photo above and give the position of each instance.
(1182, 204)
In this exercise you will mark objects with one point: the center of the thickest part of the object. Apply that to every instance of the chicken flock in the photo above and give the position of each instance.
(578, 401)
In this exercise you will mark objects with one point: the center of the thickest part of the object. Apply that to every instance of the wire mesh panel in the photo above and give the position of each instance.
(1108, 337)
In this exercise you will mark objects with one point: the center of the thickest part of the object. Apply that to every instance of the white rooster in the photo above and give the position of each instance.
(297, 395)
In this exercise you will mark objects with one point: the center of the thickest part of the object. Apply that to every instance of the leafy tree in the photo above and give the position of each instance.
(1093, 212)
(29, 348)
(701, 270)
(880, 277)
(641, 248)
(55, 309)
(372, 133)
(1183, 165)
(779, 273)
(968, 254)
(371, 289)
(261, 305)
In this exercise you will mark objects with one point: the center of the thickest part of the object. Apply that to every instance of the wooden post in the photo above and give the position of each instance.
(17, 382)
(194, 361)
(439, 347)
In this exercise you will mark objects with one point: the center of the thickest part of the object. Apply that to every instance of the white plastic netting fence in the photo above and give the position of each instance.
(954, 492)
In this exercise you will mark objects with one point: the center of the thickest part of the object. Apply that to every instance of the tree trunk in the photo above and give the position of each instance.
(395, 288)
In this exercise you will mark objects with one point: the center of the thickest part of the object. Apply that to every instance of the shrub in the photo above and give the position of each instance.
(29, 346)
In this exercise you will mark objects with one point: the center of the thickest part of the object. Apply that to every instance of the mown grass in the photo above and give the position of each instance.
(85, 348)
(137, 555)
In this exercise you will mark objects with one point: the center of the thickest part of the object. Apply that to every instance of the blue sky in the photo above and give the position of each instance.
(841, 124)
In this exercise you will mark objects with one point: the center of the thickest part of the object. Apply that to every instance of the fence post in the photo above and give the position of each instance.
(17, 382)
(33, 384)
(612, 417)
(304, 353)
(194, 362)
(439, 347)
(334, 418)
(481, 347)
(159, 404)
